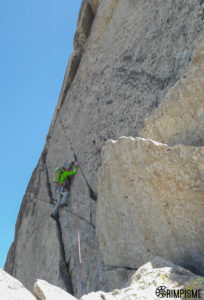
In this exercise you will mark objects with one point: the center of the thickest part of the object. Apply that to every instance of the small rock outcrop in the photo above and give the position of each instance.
(12, 289)
(46, 291)
(156, 279)
(150, 202)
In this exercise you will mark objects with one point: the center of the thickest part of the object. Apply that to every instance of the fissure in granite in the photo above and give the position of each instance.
(144, 47)
(63, 266)
(84, 25)
(92, 194)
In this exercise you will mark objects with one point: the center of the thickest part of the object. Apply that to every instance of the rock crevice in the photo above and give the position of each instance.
(127, 65)
(92, 194)
(63, 266)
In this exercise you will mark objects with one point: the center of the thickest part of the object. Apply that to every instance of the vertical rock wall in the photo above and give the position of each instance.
(127, 55)
(180, 118)
(37, 250)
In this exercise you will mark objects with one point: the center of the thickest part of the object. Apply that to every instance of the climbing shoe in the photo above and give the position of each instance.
(62, 204)
(55, 217)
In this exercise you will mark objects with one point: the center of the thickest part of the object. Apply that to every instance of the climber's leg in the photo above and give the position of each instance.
(55, 208)
(63, 201)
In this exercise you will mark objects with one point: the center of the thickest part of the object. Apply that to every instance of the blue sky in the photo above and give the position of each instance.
(36, 41)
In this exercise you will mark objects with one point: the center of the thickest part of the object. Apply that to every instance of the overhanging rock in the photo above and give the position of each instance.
(150, 202)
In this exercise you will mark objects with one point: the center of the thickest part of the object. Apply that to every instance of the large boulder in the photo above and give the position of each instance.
(12, 289)
(150, 202)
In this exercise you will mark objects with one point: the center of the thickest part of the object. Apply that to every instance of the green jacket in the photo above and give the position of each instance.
(66, 174)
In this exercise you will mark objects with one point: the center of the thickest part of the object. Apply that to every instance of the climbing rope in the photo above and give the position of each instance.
(72, 254)
(79, 250)
(93, 196)
(78, 267)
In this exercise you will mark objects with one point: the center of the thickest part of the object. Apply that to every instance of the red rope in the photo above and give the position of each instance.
(79, 247)
(79, 251)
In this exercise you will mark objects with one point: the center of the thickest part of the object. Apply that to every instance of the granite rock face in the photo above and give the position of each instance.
(127, 55)
(151, 202)
(36, 239)
(180, 117)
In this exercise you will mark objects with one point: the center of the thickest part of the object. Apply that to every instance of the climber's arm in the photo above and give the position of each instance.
(69, 173)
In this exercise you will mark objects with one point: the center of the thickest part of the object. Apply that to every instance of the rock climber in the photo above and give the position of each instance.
(62, 185)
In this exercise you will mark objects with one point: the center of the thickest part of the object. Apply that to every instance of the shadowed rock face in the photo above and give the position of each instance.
(127, 55)
(36, 239)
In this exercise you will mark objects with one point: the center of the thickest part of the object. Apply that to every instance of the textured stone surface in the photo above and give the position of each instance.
(103, 19)
(84, 24)
(36, 249)
(180, 117)
(149, 204)
(94, 5)
(70, 73)
(12, 289)
(118, 277)
(142, 285)
(127, 56)
(45, 291)
(158, 272)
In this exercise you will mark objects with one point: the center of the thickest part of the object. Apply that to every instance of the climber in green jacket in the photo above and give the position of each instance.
(62, 185)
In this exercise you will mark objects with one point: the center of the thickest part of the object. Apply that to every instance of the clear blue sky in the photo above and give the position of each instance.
(36, 41)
